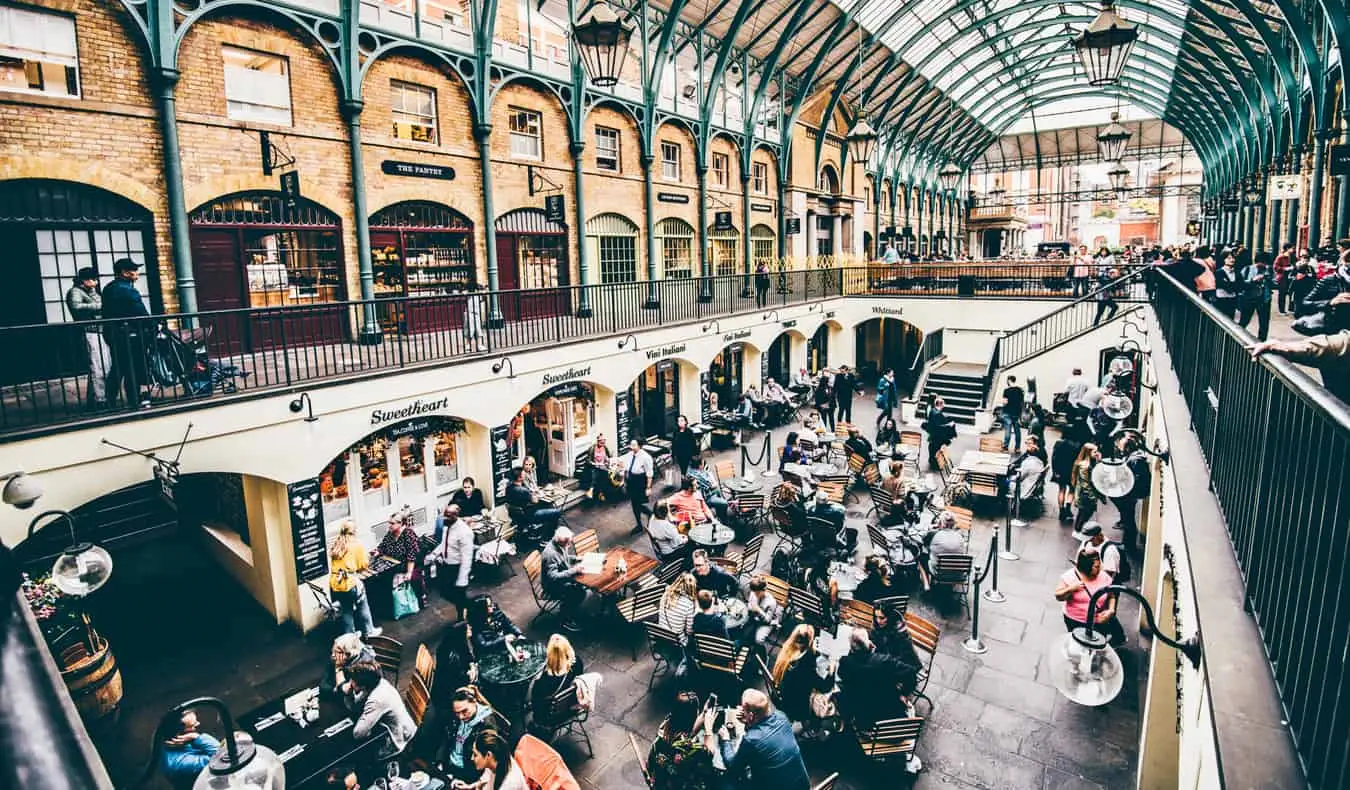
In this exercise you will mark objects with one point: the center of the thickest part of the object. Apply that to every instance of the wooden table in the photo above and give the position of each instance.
(309, 752)
(982, 463)
(608, 581)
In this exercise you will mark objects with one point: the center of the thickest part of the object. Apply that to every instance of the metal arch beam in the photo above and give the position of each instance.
(770, 66)
(769, 28)
(805, 85)
(724, 49)
(658, 72)
(697, 30)
(835, 97)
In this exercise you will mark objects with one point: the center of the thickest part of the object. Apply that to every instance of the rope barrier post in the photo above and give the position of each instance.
(973, 643)
(769, 470)
(993, 595)
(1008, 520)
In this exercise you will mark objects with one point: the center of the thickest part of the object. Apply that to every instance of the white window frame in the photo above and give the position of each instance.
(399, 91)
(612, 164)
(721, 175)
(256, 95)
(522, 137)
(670, 161)
(40, 39)
(759, 178)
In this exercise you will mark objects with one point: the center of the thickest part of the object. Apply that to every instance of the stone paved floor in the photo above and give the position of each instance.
(997, 722)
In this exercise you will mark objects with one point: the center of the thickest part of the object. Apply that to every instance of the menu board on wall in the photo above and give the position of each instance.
(703, 390)
(501, 461)
(623, 418)
(763, 370)
(311, 551)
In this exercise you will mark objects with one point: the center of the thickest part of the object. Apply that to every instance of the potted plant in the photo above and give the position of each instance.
(87, 664)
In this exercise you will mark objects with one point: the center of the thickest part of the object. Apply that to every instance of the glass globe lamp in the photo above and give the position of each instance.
(253, 767)
(1085, 668)
(81, 569)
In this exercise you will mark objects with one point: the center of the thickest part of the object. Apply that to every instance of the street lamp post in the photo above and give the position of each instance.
(949, 175)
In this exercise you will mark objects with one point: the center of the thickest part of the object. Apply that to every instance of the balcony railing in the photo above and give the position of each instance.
(1278, 449)
(207, 356)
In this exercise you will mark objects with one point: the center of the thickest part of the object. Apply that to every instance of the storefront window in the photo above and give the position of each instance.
(412, 465)
(540, 258)
(374, 473)
(676, 239)
(333, 485)
(724, 246)
(445, 458)
(289, 267)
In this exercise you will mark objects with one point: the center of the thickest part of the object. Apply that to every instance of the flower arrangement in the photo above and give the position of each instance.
(54, 610)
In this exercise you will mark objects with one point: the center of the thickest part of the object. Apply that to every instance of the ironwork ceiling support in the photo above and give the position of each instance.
(804, 88)
(770, 65)
(697, 30)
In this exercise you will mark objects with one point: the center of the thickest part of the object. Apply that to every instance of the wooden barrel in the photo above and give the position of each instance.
(93, 679)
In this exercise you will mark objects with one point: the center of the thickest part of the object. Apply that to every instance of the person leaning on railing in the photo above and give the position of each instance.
(1330, 353)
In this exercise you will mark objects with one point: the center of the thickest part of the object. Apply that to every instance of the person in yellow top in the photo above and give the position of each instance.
(348, 560)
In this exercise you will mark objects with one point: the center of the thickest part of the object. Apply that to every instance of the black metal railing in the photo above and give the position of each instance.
(1069, 321)
(1278, 449)
(929, 350)
(1034, 279)
(45, 369)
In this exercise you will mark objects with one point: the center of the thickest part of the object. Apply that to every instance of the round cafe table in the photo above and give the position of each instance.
(823, 470)
(742, 485)
(713, 537)
(508, 679)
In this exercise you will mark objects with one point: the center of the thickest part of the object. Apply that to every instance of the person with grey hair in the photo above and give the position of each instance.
(870, 686)
(560, 568)
(348, 649)
(759, 742)
(944, 538)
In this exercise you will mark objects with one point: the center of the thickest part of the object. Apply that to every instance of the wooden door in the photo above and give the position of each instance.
(508, 275)
(219, 273)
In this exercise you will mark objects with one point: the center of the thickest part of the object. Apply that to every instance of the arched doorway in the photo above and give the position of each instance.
(532, 260)
(654, 399)
(613, 241)
(558, 428)
(724, 250)
(420, 248)
(818, 349)
(50, 230)
(726, 378)
(888, 343)
(764, 246)
(777, 361)
(258, 250)
(867, 246)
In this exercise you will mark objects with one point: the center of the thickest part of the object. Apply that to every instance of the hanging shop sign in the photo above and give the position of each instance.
(555, 209)
(763, 369)
(574, 389)
(570, 374)
(889, 232)
(1231, 204)
(671, 197)
(166, 476)
(391, 167)
(1211, 214)
(794, 226)
(762, 207)
(413, 409)
(907, 232)
(1339, 159)
(501, 460)
(290, 186)
(722, 221)
(623, 417)
(307, 536)
(660, 353)
(1283, 187)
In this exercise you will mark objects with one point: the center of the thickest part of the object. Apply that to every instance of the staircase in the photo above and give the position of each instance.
(960, 384)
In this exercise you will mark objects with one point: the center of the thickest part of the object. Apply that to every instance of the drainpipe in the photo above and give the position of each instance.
(649, 191)
(370, 333)
(482, 132)
(173, 183)
(705, 294)
(583, 249)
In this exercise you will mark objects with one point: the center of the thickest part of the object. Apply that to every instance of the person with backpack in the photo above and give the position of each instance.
(1114, 561)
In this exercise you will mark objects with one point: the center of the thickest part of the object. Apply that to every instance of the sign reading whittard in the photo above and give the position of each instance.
(658, 353)
(888, 310)
(571, 374)
(411, 410)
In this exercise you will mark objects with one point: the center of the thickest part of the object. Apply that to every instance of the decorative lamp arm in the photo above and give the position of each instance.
(1188, 647)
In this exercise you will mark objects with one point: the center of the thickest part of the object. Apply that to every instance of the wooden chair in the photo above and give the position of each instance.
(842, 482)
(856, 463)
(666, 650)
(984, 484)
(834, 489)
(586, 542)
(641, 759)
(388, 654)
(724, 470)
(640, 607)
(424, 667)
(670, 571)
(880, 543)
(828, 782)
(965, 517)
(749, 509)
(857, 614)
(911, 441)
(778, 588)
(950, 474)
(924, 634)
(566, 715)
(806, 606)
(718, 659)
(953, 572)
(893, 603)
(770, 687)
(418, 699)
(534, 571)
(889, 739)
(882, 501)
(789, 530)
(871, 474)
(991, 444)
(745, 561)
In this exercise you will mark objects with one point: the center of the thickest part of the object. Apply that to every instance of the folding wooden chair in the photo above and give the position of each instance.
(871, 474)
(889, 739)
(924, 634)
(388, 654)
(534, 571)
(724, 470)
(991, 444)
(418, 699)
(857, 614)
(586, 542)
(983, 484)
(898, 604)
(424, 667)
(953, 572)
(788, 529)
(770, 687)
(779, 589)
(834, 489)
(965, 517)
(566, 715)
(882, 501)
(749, 509)
(911, 441)
(640, 607)
(880, 543)
(806, 606)
(745, 561)
(666, 650)
(719, 660)
(670, 571)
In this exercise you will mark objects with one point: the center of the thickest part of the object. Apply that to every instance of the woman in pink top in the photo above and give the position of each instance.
(1076, 588)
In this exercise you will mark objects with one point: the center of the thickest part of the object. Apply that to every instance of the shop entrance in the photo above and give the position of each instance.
(558, 430)
(421, 249)
(818, 349)
(888, 343)
(655, 399)
(778, 359)
(264, 250)
(532, 257)
(50, 230)
(726, 376)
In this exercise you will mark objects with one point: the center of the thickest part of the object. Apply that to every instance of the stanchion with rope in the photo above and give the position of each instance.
(1008, 521)
(764, 457)
(973, 644)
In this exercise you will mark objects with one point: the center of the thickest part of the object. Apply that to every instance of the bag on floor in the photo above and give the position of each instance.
(405, 601)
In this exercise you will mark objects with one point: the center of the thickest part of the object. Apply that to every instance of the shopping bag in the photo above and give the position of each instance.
(405, 601)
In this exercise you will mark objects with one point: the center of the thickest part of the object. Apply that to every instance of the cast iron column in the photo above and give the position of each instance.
(747, 255)
(701, 235)
(1291, 206)
(370, 333)
(482, 132)
(173, 188)
(583, 249)
(649, 197)
(1315, 188)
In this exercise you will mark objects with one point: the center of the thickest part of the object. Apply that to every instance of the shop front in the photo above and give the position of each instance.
(675, 243)
(884, 343)
(726, 378)
(50, 230)
(764, 246)
(557, 429)
(818, 349)
(413, 465)
(421, 249)
(532, 258)
(261, 250)
(654, 398)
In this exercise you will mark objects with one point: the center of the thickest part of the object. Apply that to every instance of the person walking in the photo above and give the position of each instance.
(474, 310)
(683, 445)
(1106, 299)
(452, 560)
(1257, 294)
(128, 338)
(1014, 398)
(941, 429)
(1284, 265)
(824, 397)
(85, 303)
(638, 472)
(762, 284)
(845, 387)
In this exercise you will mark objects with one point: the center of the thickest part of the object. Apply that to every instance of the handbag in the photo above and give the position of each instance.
(822, 705)
(405, 601)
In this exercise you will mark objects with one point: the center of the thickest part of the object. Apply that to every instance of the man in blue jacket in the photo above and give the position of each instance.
(186, 754)
(762, 744)
(127, 339)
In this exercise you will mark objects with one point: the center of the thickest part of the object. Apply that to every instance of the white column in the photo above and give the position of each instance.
(836, 235)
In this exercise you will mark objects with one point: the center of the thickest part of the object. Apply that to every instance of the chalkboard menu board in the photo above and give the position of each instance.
(311, 551)
(703, 390)
(763, 371)
(501, 462)
(623, 412)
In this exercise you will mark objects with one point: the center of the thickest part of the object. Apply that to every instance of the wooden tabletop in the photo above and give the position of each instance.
(985, 463)
(607, 582)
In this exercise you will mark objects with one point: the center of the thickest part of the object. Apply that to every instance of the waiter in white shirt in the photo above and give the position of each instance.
(1074, 389)
(638, 471)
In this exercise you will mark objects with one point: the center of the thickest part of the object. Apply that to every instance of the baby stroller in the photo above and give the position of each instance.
(179, 357)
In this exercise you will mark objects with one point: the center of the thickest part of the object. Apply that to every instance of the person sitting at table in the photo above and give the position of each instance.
(857, 444)
(709, 618)
(401, 544)
(186, 753)
(760, 743)
(944, 538)
(893, 478)
(560, 569)
(469, 499)
(800, 381)
(711, 490)
(812, 423)
(877, 581)
(380, 704)
(681, 756)
(744, 416)
(471, 715)
(688, 504)
(455, 665)
(1027, 467)
(489, 628)
(531, 474)
(710, 577)
(452, 560)
(798, 680)
(491, 756)
(776, 400)
(668, 542)
(525, 507)
(765, 613)
(832, 512)
(348, 650)
(887, 432)
(890, 634)
(792, 452)
(871, 686)
(561, 667)
(597, 479)
(678, 606)
(817, 579)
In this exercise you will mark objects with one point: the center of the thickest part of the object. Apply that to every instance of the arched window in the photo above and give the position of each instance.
(675, 244)
(828, 181)
(724, 250)
(764, 243)
(613, 239)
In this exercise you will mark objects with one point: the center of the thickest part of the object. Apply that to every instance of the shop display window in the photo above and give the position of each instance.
(375, 473)
(412, 465)
(292, 267)
(539, 258)
(445, 457)
(581, 417)
(333, 486)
